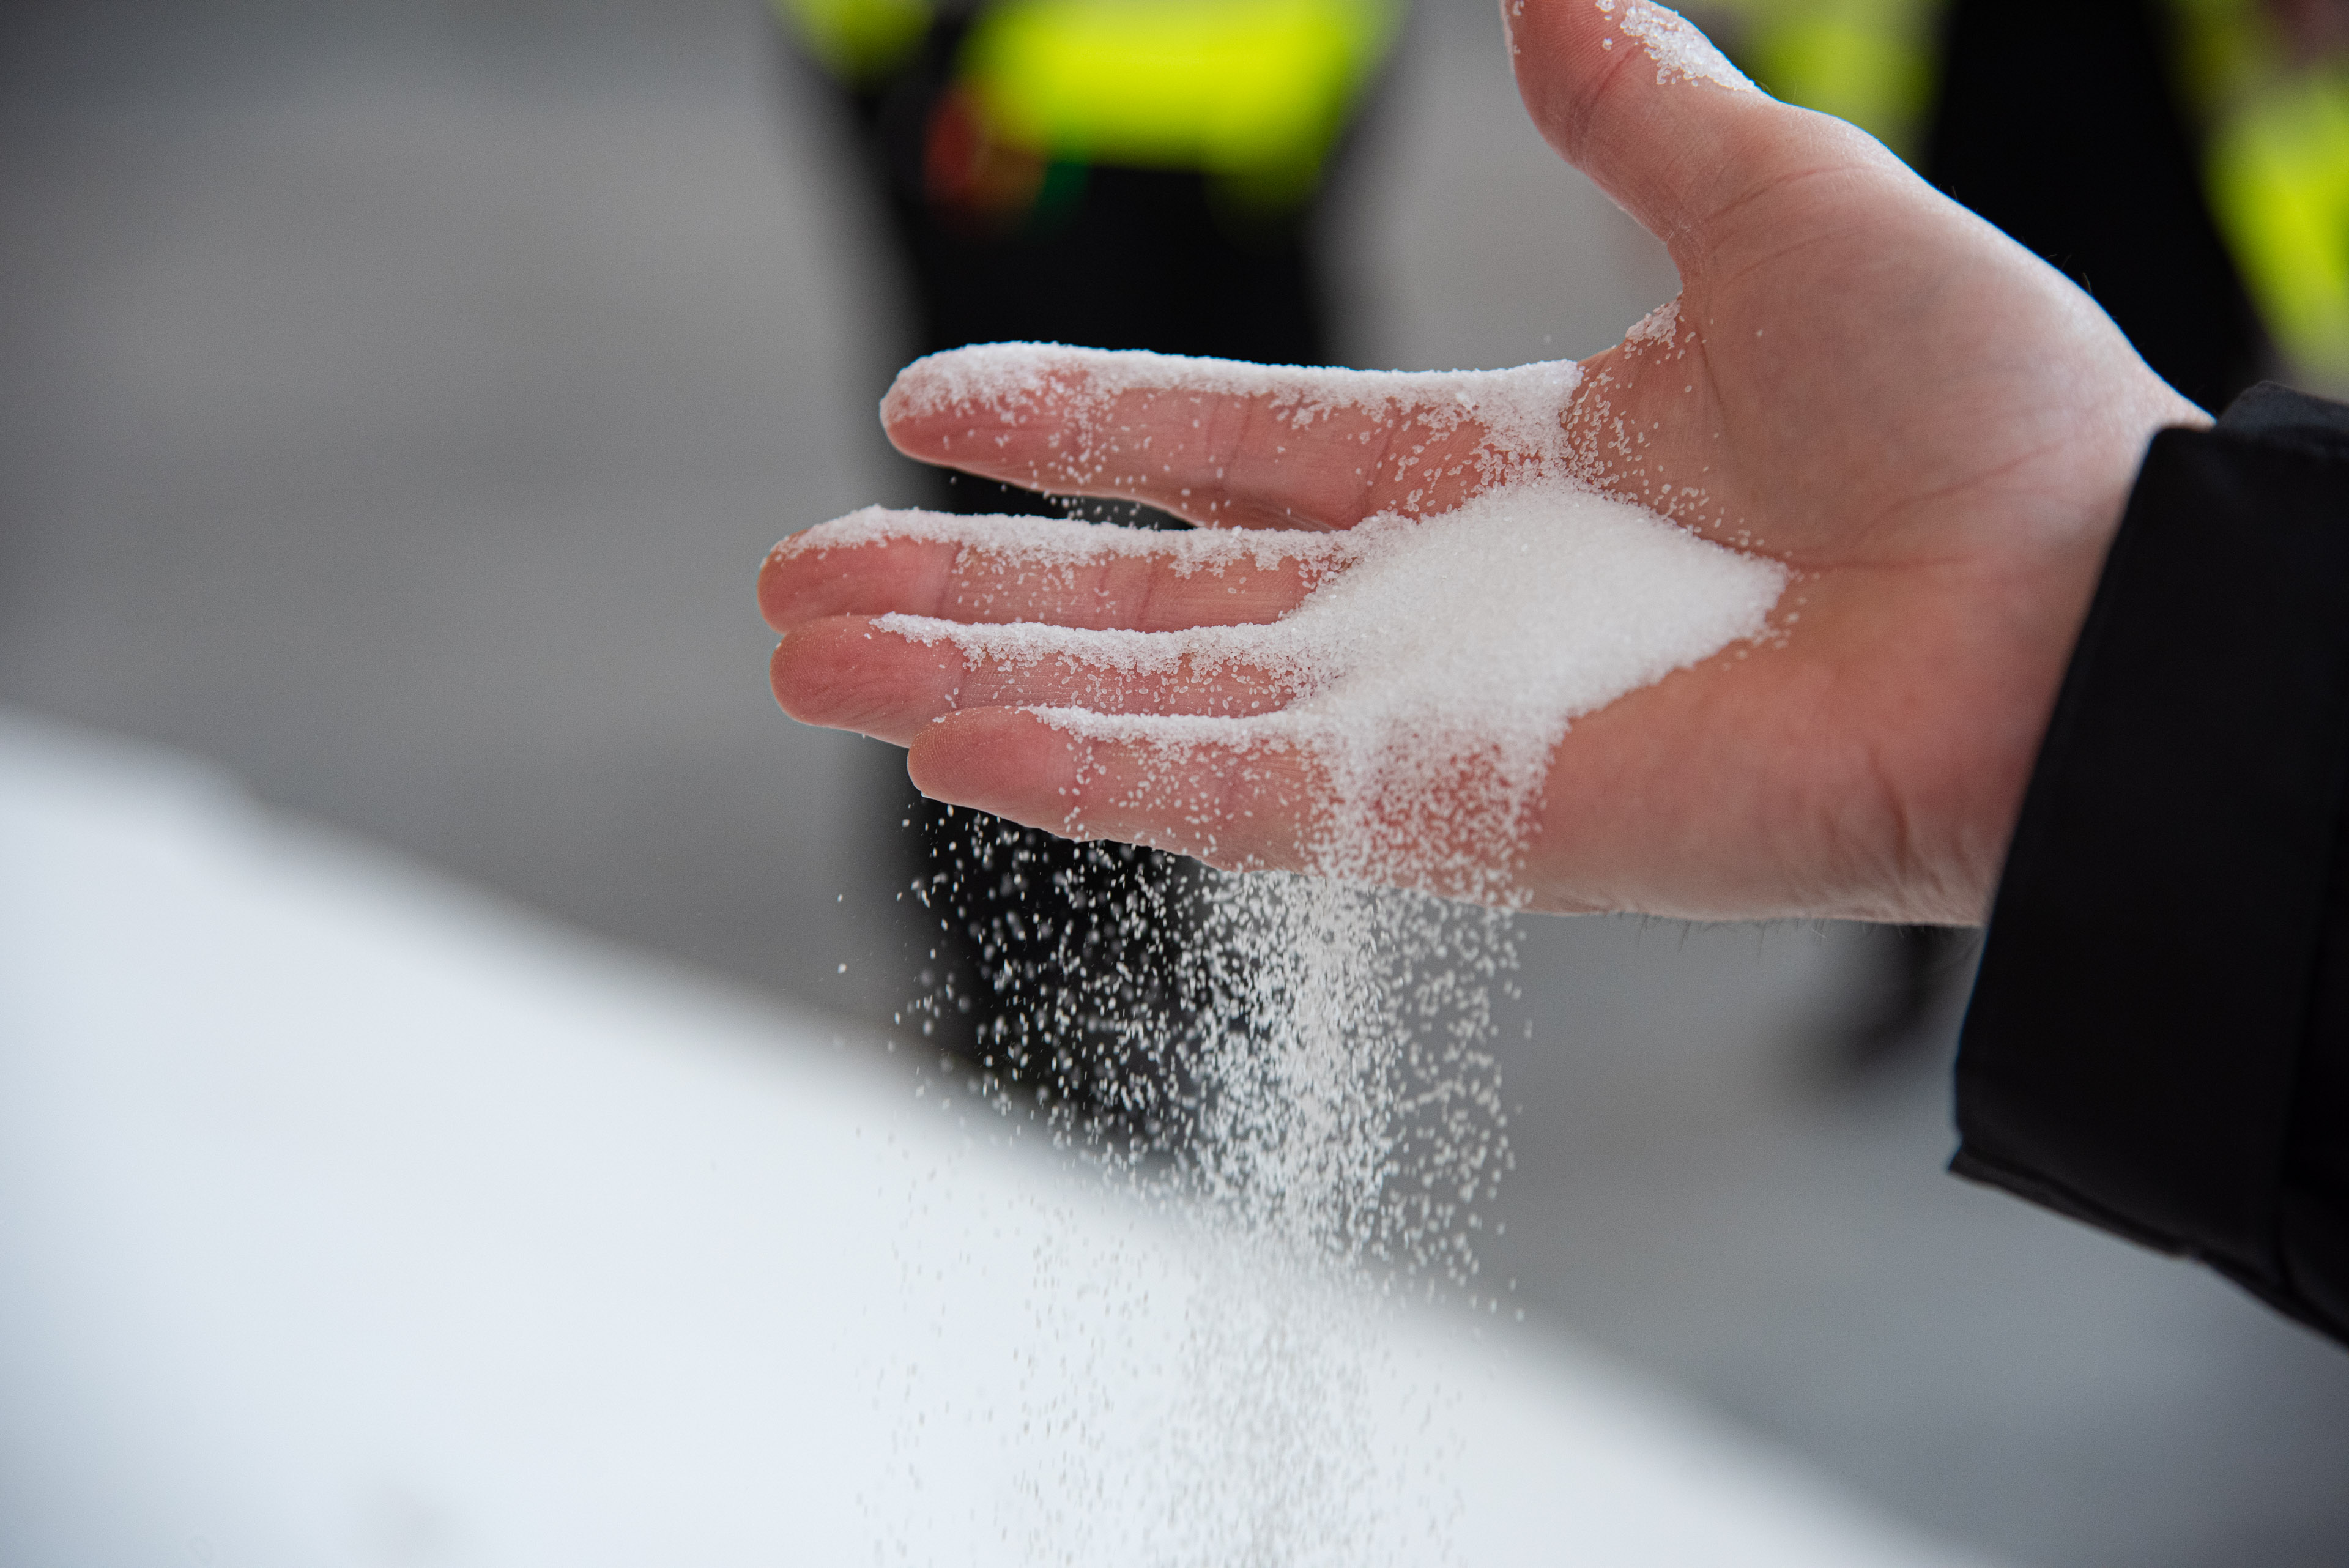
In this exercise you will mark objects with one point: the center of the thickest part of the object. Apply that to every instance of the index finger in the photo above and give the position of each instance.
(1224, 443)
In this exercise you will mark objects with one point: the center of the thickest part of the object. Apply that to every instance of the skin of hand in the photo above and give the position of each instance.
(1933, 429)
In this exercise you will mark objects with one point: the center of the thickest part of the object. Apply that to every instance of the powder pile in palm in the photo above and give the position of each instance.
(1442, 657)
(1432, 673)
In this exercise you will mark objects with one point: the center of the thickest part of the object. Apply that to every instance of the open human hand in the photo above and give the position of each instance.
(1930, 432)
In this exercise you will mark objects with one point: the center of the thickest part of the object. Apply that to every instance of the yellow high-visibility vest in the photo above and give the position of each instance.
(2276, 170)
(2275, 162)
(858, 41)
(2279, 180)
(1255, 92)
(1871, 62)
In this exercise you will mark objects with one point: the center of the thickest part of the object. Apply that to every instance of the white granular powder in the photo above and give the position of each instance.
(1039, 544)
(1310, 1076)
(1657, 328)
(1480, 633)
(1680, 51)
(1476, 636)
(1016, 382)
(1440, 658)
(1107, 409)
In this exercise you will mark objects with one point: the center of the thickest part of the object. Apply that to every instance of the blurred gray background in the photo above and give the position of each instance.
(395, 399)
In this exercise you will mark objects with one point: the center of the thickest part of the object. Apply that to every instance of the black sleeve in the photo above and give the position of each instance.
(2159, 1039)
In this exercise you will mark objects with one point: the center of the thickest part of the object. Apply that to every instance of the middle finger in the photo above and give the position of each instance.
(999, 569)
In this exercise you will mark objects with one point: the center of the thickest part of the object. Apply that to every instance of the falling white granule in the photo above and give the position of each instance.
(1309, 1075)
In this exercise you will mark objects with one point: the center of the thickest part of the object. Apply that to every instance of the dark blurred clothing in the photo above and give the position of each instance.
(1098, 256)
(2059, 122)
(2158, 1041)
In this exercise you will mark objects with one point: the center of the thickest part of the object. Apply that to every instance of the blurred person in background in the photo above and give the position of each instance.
(2072, 654)
(2185, 162)
(1146, 173)
(1109, 173)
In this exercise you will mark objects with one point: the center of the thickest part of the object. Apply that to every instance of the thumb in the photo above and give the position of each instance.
(1635, 97)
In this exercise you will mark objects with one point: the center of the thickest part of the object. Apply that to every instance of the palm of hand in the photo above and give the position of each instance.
(1938, 433)
(1933, 429)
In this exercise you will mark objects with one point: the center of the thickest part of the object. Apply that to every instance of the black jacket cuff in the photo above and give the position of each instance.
(2158, 1039)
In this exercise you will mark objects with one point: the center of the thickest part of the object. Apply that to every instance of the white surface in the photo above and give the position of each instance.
(346, 1218)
